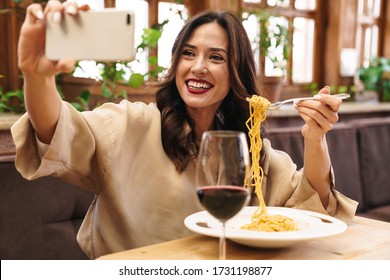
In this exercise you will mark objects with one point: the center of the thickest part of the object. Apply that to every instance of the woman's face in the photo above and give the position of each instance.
(202, 75)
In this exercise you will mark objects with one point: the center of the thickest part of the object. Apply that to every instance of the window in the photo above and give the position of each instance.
(368, 35)
(171, 30)
(303, 52)
(299, 19)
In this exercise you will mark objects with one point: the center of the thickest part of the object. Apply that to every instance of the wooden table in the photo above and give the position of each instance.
(364, 239)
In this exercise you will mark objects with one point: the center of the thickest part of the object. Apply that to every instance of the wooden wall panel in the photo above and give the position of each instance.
(3, 46)
(10, 24)
(333, 43)
(340, 33)
(195, 7)
(386, 41)
(217, 5)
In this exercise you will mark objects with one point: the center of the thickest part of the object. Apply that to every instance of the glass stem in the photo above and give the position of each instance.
(222, 243)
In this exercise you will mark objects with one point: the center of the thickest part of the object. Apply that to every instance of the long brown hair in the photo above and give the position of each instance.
(176, 125)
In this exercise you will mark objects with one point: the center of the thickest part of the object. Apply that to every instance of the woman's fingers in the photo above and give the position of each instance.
(54, 5)
(54, 10)
(71, 7)
(84, 7)
(323, 117)
(65, 65)
(325, 105)
(319, 114)
(333, 102)
(325, 97)
(34, 13)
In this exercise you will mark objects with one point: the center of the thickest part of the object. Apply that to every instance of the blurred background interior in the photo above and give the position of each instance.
(299, 45)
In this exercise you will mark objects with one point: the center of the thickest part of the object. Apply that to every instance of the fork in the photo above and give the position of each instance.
(280, 103)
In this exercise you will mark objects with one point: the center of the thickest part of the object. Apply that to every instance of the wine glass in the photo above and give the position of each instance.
(223, 176)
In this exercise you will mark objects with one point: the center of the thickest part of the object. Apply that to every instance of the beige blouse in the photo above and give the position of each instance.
(116, 152)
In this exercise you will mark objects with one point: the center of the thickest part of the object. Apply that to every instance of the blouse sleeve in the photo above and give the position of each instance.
(34, 160)
(84, 145)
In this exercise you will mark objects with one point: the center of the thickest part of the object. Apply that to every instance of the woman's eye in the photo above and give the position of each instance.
(188, 53)
(217, 57)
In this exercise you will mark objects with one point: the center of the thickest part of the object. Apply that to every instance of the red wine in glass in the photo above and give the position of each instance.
(223, 202)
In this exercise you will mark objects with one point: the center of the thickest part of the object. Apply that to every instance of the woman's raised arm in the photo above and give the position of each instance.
(319, 116)
(42, 99)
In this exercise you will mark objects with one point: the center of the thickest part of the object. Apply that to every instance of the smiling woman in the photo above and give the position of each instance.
(202, 76)
(111, 150)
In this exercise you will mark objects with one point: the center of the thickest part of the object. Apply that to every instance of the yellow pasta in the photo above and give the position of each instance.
(261, 221)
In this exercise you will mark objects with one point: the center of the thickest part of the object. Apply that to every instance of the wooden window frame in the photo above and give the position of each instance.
(290, 13)
(367, 21)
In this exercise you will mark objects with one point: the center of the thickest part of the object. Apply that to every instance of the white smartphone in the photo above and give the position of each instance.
(102, 35)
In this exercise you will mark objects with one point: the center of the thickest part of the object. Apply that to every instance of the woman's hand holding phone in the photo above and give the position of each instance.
(53, 38)
(31, 46)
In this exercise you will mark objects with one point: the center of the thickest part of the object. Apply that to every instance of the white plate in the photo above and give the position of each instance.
(311, 225)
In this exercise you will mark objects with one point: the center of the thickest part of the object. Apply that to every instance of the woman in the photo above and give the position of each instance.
(139, 159)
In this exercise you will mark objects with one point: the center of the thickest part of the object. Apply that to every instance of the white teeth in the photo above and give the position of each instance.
(197, 85)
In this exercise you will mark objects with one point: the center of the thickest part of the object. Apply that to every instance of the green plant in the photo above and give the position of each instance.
(12, 101)
(376, 77)
(314, 89)
(273, 42)
(113, 73)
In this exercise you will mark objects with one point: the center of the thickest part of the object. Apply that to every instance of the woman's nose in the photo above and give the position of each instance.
(199, 67)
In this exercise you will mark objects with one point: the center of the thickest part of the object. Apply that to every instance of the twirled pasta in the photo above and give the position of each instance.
(261, 221)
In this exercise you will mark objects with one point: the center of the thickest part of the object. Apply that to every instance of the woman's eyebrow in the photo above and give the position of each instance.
(219, 50)
(214, 49)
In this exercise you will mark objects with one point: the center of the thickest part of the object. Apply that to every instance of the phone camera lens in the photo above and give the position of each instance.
(128, 19)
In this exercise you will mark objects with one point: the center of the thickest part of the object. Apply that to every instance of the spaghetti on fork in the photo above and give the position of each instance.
(260, 220)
